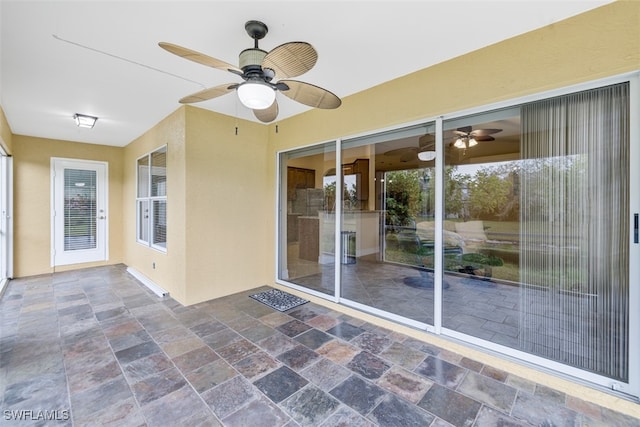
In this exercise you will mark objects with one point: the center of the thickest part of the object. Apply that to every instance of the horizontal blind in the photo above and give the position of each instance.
(80, 210)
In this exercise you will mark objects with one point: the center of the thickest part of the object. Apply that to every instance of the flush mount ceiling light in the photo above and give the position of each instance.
(84, 121)
(256, 95)
(426, 156)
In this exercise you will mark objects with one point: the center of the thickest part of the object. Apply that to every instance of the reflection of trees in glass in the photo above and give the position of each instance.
(489, 194)
(349, 193)
(330, 196)
(454, 192)
(493, 191)
(403, 196)
(563, 175)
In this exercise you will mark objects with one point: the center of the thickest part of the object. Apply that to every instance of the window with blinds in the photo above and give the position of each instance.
(80, 211)
(151, 200)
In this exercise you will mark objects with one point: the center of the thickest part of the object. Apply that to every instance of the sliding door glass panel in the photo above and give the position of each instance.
(307, 219)
(481, 226)
(574, 230)
(536, 233)
(386, 226)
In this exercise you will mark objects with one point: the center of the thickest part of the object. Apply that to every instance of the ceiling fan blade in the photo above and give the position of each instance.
(291, 59)
(198, 57)
(484, 132)
(408, 156)
(311, 95)
(461, 133)
(212, 92)
(484, 138)
(268, 114)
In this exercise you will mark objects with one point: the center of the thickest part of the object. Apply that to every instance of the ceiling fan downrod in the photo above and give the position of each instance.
(256, 30)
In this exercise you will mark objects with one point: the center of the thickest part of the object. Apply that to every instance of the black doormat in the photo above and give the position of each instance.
(278, 300)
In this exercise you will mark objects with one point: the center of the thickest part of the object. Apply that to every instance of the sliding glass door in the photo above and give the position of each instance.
(538, 196)
(574, 217)
(510, 228)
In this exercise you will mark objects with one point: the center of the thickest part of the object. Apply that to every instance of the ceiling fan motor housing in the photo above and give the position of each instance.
(251, 60)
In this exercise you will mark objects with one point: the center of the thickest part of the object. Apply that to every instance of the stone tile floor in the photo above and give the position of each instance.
(94, 347)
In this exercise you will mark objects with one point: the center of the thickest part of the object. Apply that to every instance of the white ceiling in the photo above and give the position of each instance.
(102, 58)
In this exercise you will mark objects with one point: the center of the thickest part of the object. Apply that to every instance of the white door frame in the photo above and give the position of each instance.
(6, 217)
(101, 253)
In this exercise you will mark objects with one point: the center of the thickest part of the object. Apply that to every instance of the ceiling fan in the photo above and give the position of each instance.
(258, 69)
(467, 138)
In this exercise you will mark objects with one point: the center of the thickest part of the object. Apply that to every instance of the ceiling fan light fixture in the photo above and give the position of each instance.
(84, 121)
(426, 156)
(256, 95)
(459, 143)
(472, 142)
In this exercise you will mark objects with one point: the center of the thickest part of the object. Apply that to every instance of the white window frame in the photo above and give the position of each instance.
(147, 221)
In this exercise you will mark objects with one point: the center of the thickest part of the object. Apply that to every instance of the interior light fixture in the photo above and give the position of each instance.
(459, 143)
(426, 156)
(84, 121)
(465, 142)
(256, 95)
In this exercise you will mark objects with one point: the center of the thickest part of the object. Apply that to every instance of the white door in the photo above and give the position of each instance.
(79, 217)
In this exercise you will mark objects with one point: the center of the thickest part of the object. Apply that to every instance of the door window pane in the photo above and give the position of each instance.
(79, 209)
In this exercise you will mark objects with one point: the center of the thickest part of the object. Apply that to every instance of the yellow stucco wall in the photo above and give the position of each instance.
(217, 181)
(227, 201)
(170, 267)
(32, 200)
(599, 43)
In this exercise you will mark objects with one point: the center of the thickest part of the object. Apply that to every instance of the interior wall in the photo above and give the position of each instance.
(32, 200)
(227, 204)
(166, 269)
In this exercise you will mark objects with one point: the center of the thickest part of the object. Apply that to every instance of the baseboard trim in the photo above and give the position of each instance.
(153, 287)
